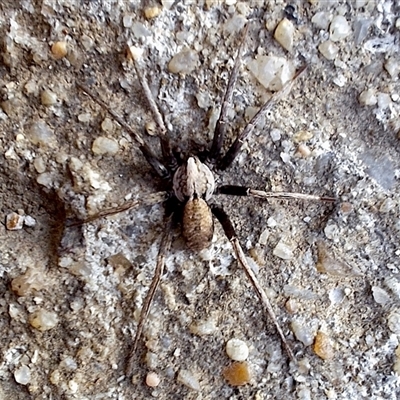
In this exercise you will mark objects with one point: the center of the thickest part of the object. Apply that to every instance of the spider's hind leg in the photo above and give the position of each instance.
(223, 218)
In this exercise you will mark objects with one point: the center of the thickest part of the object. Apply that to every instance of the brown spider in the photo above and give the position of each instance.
(191, 184)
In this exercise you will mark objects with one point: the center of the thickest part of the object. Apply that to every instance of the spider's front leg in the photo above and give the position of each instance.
(223, 218)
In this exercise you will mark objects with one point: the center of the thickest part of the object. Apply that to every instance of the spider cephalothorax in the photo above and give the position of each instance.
(192, 184)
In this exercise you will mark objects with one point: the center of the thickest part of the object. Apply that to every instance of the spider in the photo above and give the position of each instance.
(190, 185)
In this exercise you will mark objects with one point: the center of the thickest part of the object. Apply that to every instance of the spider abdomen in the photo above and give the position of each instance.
(197, 224)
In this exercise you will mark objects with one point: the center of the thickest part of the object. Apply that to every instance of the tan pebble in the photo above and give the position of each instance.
(14, 221)
(323, 346)
(152, 12)
(151, 128)
(284, 33)
(59, 50)
(303, 151)
(48, 98)
(43, 320)
(346, 207)
(237, 374)
(292, 306)
(302, 136)
(152, 379)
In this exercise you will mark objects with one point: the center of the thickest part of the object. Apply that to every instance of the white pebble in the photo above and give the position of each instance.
(380, 295)
(105, 146)
(392, 66)
(29, 221)
(283, 251)
(367, 98)
(394, 321)
(284, 34)
(321, 20)
(237, 350)
(22, 375)
(43, 320)
(328, 49)
(272, 72)
(48, 98)
(183, 62)
(107, 125)
(188, 379)
(41, 134)
(152, 379)
(303, 332)
(39, 165)
(339, 28)
(203, 327)
(275, 135)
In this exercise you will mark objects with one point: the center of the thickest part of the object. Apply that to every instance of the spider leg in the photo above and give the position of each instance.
(220, 127)
(245, 191)
(248, 129)
(169, 158)
(163, 250)
(151, 158)
(231, 235)
(148, 200)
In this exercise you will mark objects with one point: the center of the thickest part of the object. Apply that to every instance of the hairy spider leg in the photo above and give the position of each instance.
(234, 190)
(220, 127)
(230, 233)
(163, 250)
(158, 166)
(248, 129)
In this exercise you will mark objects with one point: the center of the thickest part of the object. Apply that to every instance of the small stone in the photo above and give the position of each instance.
(14, 221)
(22, 375)
(275, 134)
(183, 62)
(105, 146)
(323, 347)
(152, 12)
(361, 27)
(151, 128)
(302, 136)
(339, 28)
(272, 72)
(237, 350)
(392, 66)
(237, 374)
(367, 98)
(387, 205)
(48, 98)
(135, 52)
(39, 165)
(284, 34)
(303, 150)
(380, 295)
(84, 117)
(152, 379)
(292, 306)
(188, 379)
(283, 251)
(203, 328)
(303, 332)
(43, 320)
(29, 221)
(46, 179)
(41, 134)
(321, 20)
(59, 50)
(107, 125)
(127, 21)
(328, 49)
(394, 321)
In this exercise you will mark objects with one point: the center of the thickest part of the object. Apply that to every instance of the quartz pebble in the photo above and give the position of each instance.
(105, 146)
(237, 350)
(328, 49)
(283, 251)
(59, 50)
(202, 328)
(152, 379)
(183, 62)
(303, 332)
(272, 72)
(188, 379)
(380, 295)
(284, 34)
(237, 374)
(14, 221)
(43, 320)
(48, 98)
(339, 28)
(22, 375)
(367, 98)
